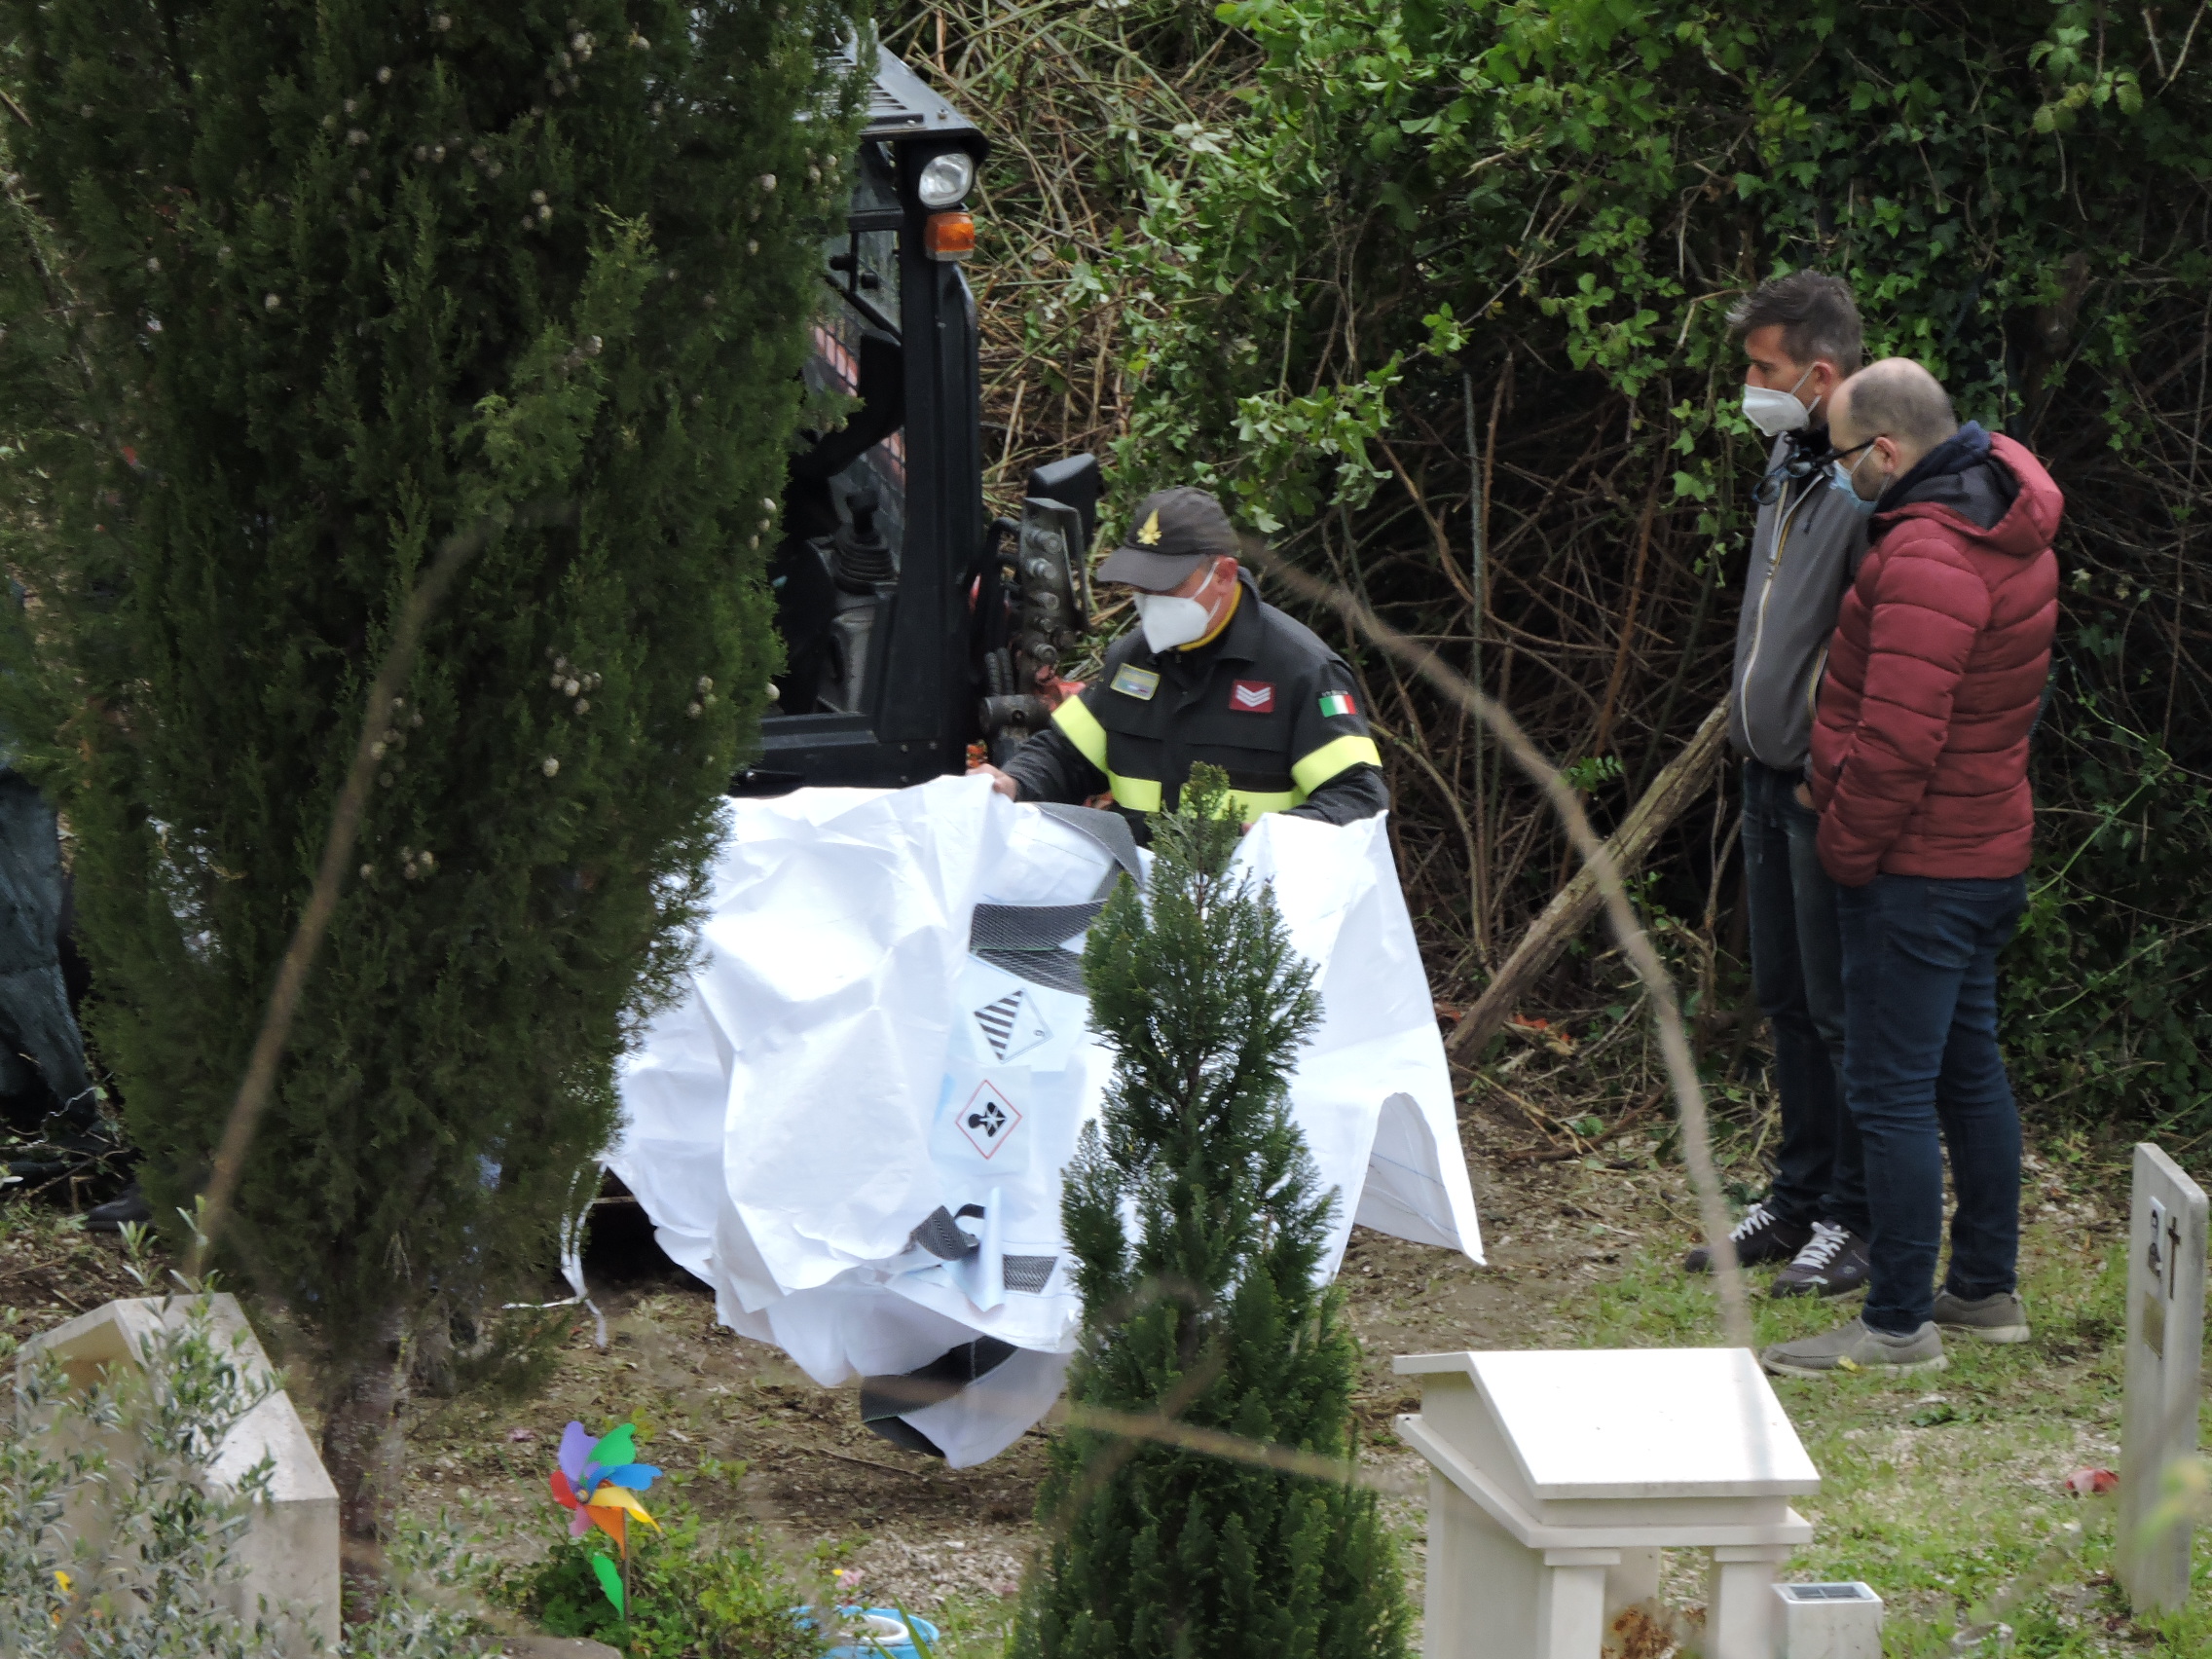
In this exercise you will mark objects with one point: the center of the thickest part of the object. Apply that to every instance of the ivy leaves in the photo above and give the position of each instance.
(1425, 195)
(1608, 172)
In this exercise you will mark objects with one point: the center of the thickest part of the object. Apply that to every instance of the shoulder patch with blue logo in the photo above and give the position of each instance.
(1131, 680)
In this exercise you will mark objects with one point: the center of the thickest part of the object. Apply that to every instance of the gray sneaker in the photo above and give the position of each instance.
(1857, 1346)
(1997, 1319)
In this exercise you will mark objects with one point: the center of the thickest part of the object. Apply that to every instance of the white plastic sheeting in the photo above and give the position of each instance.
(853, 1126)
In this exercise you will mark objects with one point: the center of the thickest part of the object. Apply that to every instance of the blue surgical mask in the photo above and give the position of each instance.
(1839, 480)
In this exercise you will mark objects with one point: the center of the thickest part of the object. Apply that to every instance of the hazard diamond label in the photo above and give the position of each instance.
(988, 1120)
(1011, 1025)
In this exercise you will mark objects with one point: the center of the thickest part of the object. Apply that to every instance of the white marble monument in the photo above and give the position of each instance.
(1557, 1476)
(2165, 1354)
(289, 1549)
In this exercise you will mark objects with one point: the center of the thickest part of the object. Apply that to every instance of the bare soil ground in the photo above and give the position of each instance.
(908, 1529)
(793, 1456)
(1938, 1489)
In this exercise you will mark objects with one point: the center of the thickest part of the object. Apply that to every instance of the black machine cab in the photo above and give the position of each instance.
(913, 624)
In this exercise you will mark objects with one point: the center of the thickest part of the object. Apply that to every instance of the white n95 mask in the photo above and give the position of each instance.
(1169, 621)
(1775, 413)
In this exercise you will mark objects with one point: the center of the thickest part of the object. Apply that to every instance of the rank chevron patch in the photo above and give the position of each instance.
(1252, 697)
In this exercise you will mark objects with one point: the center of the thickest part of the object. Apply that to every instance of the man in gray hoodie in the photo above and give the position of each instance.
(1801, 337)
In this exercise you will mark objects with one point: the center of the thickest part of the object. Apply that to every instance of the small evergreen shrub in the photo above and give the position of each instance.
(299, 298)
(1210, 1314)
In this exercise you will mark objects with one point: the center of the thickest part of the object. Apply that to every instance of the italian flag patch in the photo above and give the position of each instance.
(1334, 703)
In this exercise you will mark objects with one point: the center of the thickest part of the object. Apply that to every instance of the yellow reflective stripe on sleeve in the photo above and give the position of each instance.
(1139, 795)
(1340, 755)
(1250, 806)
(1144, 795)
(1080, 728)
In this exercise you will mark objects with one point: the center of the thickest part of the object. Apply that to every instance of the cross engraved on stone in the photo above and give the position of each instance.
(2173, 1254)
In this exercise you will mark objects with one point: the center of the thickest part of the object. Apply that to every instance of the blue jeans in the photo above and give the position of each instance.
(1797, 977)
(1922, 1073)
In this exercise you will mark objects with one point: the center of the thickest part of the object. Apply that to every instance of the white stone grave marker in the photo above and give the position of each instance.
(289, 1549)
(1557, 1476)
(2165, 1356)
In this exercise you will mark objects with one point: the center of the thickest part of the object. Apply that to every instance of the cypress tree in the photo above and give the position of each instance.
(1210, 1314)
(296, 294)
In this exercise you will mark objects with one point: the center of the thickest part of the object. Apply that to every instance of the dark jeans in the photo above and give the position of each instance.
(35, 1017)
(1922, 1073)
(1797, 977)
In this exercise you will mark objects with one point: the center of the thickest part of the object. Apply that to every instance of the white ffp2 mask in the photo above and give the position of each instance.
(1775, 413)
(1169, 621)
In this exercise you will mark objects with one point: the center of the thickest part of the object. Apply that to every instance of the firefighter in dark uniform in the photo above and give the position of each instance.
(1212, 673)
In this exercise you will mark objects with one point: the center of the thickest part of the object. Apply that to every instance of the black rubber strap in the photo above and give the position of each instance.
(1027, 927)
(1029, 1274)
(940, 1235)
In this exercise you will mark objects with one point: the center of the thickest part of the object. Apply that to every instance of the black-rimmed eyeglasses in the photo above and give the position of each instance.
(1796, 469)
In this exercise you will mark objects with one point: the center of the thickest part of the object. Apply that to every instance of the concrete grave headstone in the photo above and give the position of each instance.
(2165, 1356)
(289, 1548)
(1557, 1477)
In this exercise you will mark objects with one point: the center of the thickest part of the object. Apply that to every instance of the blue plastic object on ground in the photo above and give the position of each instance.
(877, 1633)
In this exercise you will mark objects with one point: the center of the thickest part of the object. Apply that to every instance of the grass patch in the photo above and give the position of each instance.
(1946, 1491)
(973, 1627)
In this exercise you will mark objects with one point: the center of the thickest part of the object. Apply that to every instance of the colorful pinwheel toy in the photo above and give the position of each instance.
(598, 1481)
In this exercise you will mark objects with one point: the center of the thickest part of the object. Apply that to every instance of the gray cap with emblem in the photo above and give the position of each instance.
(1171, 533)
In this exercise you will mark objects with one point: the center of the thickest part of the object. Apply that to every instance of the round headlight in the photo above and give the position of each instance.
(946, 178)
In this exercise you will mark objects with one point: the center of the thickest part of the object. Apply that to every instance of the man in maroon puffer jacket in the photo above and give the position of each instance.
(1920, 774)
